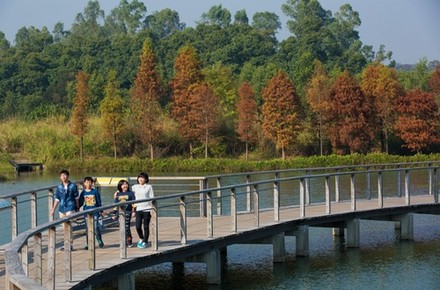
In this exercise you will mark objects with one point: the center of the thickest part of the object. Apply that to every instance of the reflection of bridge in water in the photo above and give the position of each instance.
(199, 225)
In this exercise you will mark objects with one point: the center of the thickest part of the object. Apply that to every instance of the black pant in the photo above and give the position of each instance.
(143, 217)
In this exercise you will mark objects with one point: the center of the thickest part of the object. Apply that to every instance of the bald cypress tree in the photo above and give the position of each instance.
(79, 119)
(145, 94)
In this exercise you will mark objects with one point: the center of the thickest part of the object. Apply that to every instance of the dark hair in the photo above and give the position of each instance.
(88, 178)
(64, 171)
(121, 182)
(144, 175)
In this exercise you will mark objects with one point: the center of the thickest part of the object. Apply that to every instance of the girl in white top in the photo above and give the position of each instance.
(143, 190)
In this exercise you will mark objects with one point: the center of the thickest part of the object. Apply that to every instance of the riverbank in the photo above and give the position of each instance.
(224, 165)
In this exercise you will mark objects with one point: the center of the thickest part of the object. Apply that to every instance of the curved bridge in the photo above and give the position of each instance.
(198, 226)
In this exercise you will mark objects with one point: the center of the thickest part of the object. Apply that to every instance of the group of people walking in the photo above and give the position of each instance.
(69, 200)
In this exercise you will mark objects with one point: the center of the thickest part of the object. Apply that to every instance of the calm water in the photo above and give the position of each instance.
(381, 262)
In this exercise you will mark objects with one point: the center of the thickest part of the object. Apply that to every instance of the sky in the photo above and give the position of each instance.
(408, 28)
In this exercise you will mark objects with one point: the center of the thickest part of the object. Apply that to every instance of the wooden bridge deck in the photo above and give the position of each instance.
(169, 236)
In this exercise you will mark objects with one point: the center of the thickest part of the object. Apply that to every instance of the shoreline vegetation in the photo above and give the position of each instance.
(107, 165)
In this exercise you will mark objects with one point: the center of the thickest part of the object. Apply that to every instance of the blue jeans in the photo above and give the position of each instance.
(97, 229)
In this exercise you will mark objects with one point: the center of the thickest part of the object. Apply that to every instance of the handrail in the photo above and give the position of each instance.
(15, 269)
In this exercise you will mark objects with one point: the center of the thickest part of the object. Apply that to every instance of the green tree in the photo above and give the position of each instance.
(280, 111)
(217, 15)
(112, 111)
(127, 17)
(79, 118)
(164, 22)
(145, 95)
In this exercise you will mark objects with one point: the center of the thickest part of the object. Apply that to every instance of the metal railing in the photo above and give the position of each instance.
(251, 196)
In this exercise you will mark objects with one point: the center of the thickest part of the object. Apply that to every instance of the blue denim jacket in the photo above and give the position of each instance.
(67, 198)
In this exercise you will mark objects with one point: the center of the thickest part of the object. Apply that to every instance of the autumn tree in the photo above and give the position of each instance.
(380, 83)
(318, 97)
(79, 119)
(418, 120)
(204, 112)
(247, 110)
(349, 118)
(145, 94)
(187, 75)
(112, 111)
(280, 111)
(434, 83)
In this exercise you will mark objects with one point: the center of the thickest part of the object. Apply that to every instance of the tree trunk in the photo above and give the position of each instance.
(114, 146)
(191, 154)
(206, 147)
(151, 151)
(247, 151)
(283, 153)
(81, 149)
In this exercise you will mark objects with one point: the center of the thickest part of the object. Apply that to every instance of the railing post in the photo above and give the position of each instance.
(307, 184)
(25, 258)
(368, 193)
(234, 210)
(327, 195)
(399, 182)
(435, 173)
(34, 212)
(38, 258)
(91, 241)
(219, 197)
(337, 186)
(302, 198)
(248, 194)
(50, 196)
(154, 226)
(256, 200)
(276, 198)
(202, 186)
(67, 250)
(122, 233)
(430, 178)
(51, 255)
(183, 221)
(407, 191)
(379, 190)
(353, 191)
(14, 219)
(209, 216)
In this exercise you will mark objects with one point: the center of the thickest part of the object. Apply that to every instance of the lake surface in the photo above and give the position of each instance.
(381, 262)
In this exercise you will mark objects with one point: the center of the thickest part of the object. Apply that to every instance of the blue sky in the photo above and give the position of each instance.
(408, 28)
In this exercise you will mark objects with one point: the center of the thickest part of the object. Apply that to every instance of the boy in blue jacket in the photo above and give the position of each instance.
(91, 198)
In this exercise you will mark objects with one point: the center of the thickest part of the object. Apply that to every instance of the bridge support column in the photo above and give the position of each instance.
(279, 250)
(302, 241)
(213, 267)
(407, 226)
(338, 232)
(126, 281)
(353, 233)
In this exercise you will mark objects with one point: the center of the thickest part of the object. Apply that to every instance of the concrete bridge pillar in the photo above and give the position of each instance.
(302, 240)
(407, 226)
(213, 266)
(279, 250)
(126, 281)
(353, 233)
(338, 232)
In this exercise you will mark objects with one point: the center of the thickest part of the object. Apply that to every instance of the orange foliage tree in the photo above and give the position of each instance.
(434, 83)
(187, 75)
(145, 94)
(79, 121)
(280, 109)
(247, 109)
(380, 83)
(349, 124)
(418, 120)
(318, 97)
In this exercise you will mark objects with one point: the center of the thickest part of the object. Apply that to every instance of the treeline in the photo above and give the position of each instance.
(154, 87)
